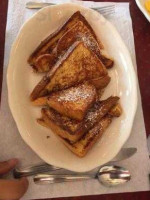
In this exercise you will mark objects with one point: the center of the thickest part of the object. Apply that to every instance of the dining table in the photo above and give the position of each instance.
(141, 28)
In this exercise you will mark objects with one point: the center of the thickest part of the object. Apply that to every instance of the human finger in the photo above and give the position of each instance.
(13, 189)
(6, 166)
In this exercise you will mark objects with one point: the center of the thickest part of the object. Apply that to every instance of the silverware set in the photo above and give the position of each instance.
(108, 175)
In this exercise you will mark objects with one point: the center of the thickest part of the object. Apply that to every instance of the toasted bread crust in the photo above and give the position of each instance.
(73, 102)
(44, 62)
(75, 129)
(52, 39)
(67, 124)
(57, 43)
(79, 64)
(94, 114)
(81, 147)
(99, 83)
(48, 118)
(81, 32)
(116, 111)
(61, 130)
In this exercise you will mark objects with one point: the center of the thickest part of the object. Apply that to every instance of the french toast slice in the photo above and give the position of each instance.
(99, 83)
(75, 29)
(78, 95)
(51, 41)
(77, 65)
(81, 32)
(73, 130)
(73, 102)
(81, 147)
(69, 126)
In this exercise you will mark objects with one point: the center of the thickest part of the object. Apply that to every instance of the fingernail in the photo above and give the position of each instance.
(13, 161)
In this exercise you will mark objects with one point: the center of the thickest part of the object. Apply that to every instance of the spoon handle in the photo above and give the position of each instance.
(58, 178)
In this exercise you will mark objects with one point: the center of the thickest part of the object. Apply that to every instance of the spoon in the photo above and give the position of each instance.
(107, 175)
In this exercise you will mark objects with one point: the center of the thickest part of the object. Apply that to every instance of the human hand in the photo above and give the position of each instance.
(11, 189)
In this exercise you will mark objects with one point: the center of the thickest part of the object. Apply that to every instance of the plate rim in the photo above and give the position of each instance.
(10, 97)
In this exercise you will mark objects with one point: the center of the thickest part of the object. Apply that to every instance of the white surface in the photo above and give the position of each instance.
(11, 144)
(21, 80)
(141, 5)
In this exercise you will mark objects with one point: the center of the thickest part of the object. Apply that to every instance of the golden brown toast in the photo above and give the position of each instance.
(73, 102)
(81, 32)
(73, 130)
(81, 147)
(69, 125)
(99, 83)
(116, 111)
(51, 41)
(44, 62)
(75, 29)
(77, 65)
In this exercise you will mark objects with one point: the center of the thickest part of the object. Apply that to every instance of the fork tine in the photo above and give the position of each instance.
(105, 7)
(108, 9)
(104, 11)
(107, 13)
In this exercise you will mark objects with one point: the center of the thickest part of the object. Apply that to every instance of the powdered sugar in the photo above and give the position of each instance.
(88, 41)
(92, 116)
(74, 95)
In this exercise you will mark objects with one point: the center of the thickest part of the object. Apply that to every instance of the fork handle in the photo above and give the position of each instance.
(33, 170)
(35, 5)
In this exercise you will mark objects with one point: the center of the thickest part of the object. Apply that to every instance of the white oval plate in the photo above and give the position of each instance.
(21, 80)
(141, 5)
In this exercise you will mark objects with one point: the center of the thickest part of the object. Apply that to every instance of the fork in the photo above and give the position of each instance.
(105, 10)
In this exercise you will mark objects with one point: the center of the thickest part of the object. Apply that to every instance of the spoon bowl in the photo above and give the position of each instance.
(113, 175)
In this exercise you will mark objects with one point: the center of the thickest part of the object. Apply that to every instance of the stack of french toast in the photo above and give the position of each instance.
(70, 93)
